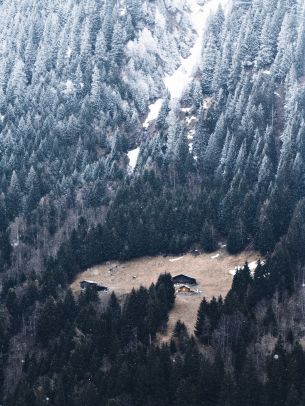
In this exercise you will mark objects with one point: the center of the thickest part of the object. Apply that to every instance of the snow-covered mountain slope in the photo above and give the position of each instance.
(92, 92)
(164, 38)
(199, 16)
(181, 78)
(76, 81)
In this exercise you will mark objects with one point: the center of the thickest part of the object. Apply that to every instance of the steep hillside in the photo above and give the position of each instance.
(134, 128)
(235, 136)
(76, 80)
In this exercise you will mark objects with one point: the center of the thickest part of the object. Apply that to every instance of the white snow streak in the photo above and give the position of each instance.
(133, 158)
(154, 110)
(175, 259)
(183, 76)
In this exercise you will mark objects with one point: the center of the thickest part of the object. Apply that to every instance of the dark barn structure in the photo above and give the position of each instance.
(183, 279)
(93, 285)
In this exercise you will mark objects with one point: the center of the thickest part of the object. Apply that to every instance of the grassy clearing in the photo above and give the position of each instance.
(213, 273)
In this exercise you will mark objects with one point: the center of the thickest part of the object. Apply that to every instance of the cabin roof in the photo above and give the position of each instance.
(87, 281)
(182, 275)
(96, 284)
(184, 278)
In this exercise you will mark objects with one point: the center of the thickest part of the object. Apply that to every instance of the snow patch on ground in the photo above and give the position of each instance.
(133, 158)
(215, 256)
(233, 271)
(175, 259)
(266, 72)
(252, 266)
(154, 110)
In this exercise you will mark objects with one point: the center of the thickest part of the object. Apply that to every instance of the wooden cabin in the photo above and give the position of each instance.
(183, 279)
(184, 289)
(93, 285)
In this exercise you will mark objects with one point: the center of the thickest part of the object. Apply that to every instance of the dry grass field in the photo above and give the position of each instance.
(213, 272)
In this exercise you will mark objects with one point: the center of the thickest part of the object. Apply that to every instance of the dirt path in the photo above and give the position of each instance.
(213, 273)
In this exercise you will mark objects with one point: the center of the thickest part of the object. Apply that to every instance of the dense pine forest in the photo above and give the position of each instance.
(223, 160)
